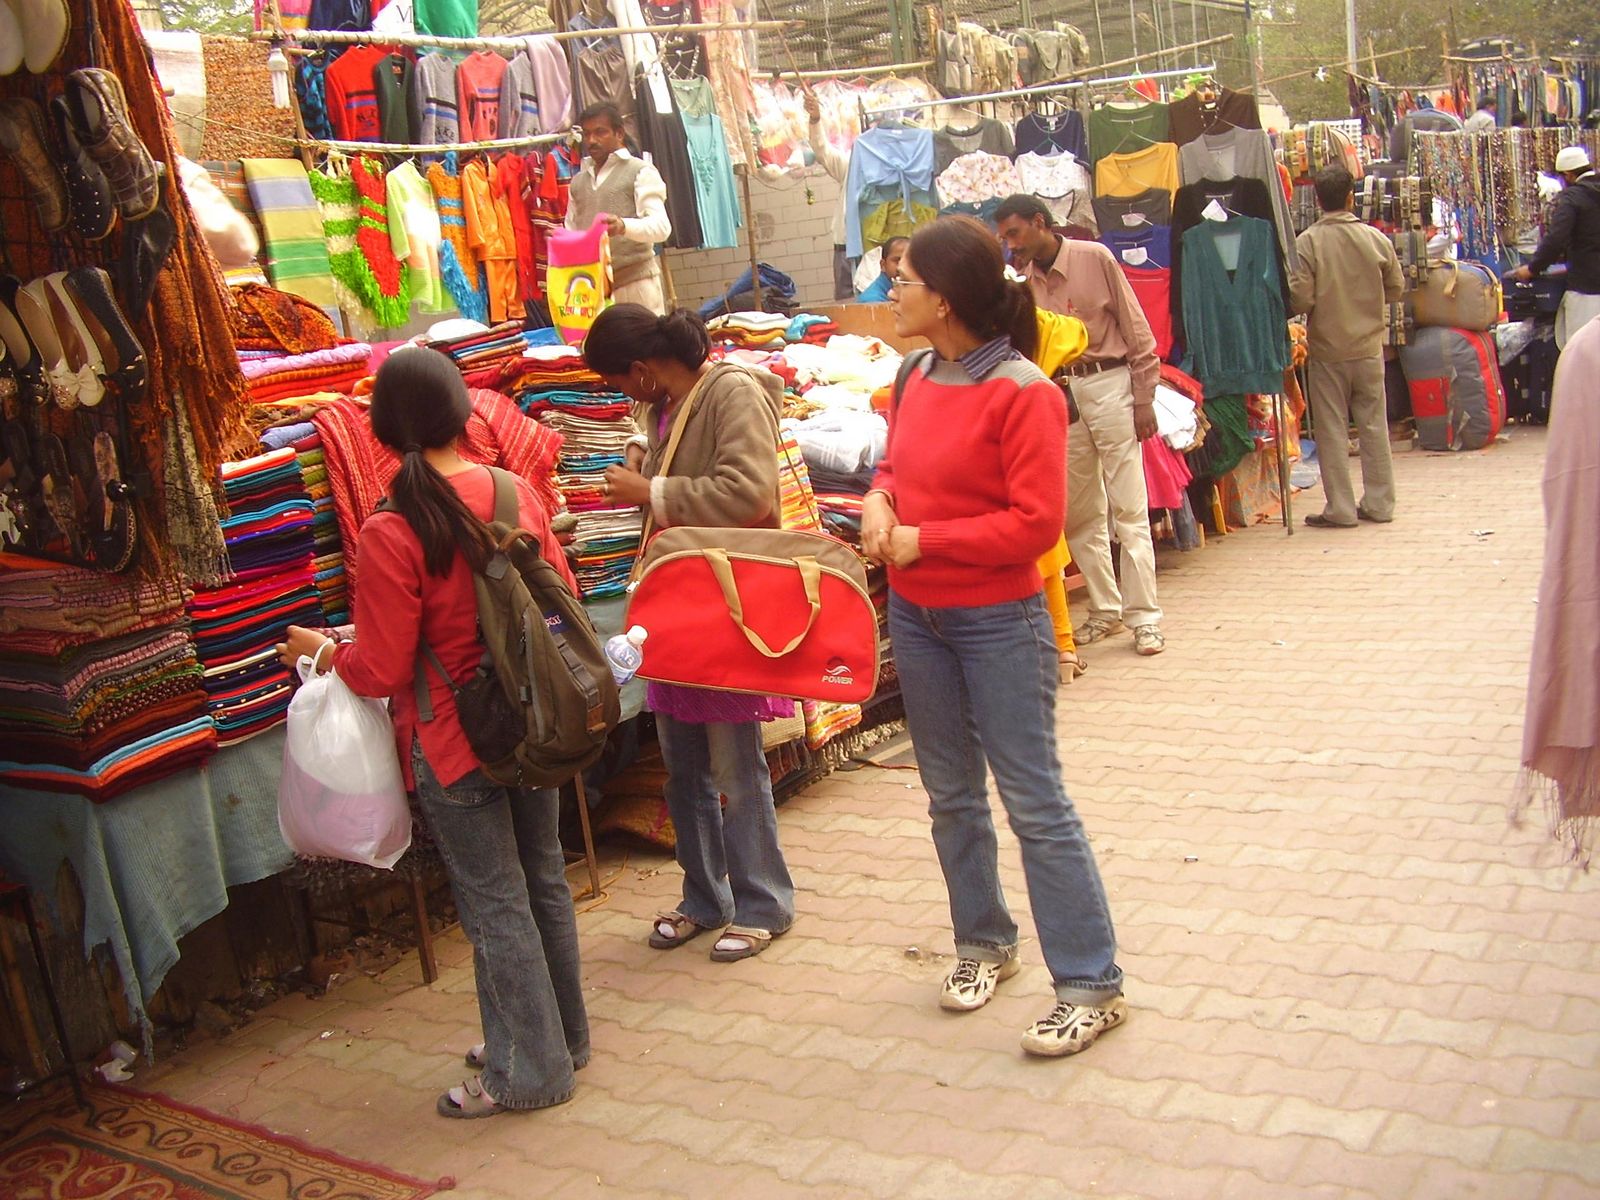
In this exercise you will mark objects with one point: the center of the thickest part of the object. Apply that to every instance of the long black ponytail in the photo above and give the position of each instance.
(420, 402)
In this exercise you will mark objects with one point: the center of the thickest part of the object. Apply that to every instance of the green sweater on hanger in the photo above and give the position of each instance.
(447, 18)
(1237, 330)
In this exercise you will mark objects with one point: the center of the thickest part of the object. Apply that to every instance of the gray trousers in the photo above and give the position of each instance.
(1342, 392)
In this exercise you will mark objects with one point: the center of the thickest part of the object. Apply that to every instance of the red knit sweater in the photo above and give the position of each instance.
(981, 470)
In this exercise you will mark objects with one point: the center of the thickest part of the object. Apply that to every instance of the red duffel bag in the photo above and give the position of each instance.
(771, 612)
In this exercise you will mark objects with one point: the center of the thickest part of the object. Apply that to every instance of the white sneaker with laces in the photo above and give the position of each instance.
(971, 985)
(1071, 1028)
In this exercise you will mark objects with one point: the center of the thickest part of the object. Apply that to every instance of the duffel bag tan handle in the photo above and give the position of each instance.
(810, 576)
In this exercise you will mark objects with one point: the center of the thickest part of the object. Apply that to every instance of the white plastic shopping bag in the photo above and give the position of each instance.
(341, 794)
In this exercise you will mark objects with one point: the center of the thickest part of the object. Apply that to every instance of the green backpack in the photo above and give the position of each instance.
(542, 700)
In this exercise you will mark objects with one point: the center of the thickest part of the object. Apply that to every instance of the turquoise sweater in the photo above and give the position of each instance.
(1236, 326)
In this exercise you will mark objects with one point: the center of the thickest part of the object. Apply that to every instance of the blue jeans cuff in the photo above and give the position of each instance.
(982, 953)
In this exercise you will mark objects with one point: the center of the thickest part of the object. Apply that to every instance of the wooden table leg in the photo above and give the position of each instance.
(588, 837)
(419, 906)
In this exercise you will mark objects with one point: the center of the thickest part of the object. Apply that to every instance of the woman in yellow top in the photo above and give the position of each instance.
(1061, 340)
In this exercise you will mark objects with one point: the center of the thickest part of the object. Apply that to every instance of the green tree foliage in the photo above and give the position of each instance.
(1302, 34)
(207, 16)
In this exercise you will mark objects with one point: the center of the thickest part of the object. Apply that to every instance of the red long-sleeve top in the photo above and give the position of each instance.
(980, 468)
(399, 604)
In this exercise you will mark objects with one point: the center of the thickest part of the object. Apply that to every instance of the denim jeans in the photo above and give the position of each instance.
(980, 686)
(508, 873)
(733, 868)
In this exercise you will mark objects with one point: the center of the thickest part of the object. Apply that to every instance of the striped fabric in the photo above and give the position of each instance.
(291, 226)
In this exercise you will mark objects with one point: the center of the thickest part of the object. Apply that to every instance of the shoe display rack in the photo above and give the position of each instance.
(85, 225)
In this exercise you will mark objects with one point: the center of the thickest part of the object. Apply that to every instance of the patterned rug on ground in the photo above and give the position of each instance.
(130, 1144)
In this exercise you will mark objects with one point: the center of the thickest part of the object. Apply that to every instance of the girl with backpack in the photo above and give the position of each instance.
(500, 846)
(723, 472)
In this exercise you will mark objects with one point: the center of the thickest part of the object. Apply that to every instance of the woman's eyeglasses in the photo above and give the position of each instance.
(896, 283)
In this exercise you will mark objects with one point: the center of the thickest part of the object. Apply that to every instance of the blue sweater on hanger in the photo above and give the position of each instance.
(1237, 329)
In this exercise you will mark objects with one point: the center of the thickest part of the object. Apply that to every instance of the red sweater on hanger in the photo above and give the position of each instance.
(478, 81)
(352, 95)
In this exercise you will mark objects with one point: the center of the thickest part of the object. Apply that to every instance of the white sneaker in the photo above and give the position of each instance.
(971, 985)
(1071, 1028)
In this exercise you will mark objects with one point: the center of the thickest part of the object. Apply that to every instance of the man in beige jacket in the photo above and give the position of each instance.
(1348, 273)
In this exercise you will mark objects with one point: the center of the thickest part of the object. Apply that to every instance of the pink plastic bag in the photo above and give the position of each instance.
(340, 794)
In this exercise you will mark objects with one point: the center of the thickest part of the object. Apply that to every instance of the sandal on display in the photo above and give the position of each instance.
(94, 208)
(123, 356)
(145, 246)
(467, 1100)
(25, 137)
(672, 929)
(740, 942)
(45, 24)
(99, 111)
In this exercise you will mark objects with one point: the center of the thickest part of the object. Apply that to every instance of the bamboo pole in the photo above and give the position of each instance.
(419, 41)
(1133, 61)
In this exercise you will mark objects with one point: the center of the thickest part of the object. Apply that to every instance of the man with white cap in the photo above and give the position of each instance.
(1574, 235)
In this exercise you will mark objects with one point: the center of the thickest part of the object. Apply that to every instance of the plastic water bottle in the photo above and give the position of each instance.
(625, 653)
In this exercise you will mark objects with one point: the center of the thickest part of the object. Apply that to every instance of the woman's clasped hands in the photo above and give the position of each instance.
(883, 538)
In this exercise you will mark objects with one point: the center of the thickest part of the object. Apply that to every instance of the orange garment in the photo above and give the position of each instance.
(492, 240)
(1286, 182)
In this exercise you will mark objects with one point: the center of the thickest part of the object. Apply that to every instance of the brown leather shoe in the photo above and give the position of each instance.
(26, 138)
(94, 208)
(99, 112)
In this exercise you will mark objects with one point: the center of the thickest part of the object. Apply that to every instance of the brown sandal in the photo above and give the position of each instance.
(751, 942)
(672, 929)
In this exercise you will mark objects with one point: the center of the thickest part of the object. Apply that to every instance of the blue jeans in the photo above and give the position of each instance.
(980, 686)
(733, 868)
(508, 873)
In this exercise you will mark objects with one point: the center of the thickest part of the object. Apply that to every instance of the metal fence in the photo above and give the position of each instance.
(842, 34)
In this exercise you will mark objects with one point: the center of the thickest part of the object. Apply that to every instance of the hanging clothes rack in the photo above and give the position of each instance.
(366, 37)
(1045, 89)
(344, 147)
(852, 72)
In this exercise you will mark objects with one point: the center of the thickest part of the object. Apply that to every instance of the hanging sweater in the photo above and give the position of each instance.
(353, 96)
(478, 81)
(433, 100)
(460, 269)
(393, 84)
(414, 233)
(447, 18)
(1235, 322)
(975, 465)
(392, 307)
(519, 100)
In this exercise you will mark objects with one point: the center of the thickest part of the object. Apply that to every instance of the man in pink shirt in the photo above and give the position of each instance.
(1113, 387)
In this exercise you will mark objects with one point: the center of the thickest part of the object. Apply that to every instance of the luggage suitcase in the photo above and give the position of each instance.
(1456, 295)
(1457, 397)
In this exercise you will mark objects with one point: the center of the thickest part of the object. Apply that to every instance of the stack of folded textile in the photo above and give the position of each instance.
(327, 563)
(808, 327)
(552, 385)
(99, 684)
(750, 330)
(269, 536)
(483, 357)
(286, 376)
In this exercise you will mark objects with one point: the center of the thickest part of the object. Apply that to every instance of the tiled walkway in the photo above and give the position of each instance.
(1348, 975)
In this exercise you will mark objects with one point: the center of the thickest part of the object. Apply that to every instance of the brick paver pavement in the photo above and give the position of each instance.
(1348, 975)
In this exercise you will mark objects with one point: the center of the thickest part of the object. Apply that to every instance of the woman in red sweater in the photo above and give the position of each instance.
(499, 844)
(969, 496)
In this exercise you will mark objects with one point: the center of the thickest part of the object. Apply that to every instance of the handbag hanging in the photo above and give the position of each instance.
(769, 612)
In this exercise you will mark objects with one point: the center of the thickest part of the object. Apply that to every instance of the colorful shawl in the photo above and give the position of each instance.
(353, 282)
(460, 269)
(1561, 733)
(393, 306)
(297, 252)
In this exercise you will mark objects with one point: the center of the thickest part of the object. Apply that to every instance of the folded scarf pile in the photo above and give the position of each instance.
(100, 686)
(269, 535)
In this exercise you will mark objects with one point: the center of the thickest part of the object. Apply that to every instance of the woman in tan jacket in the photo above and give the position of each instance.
(724, 472)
